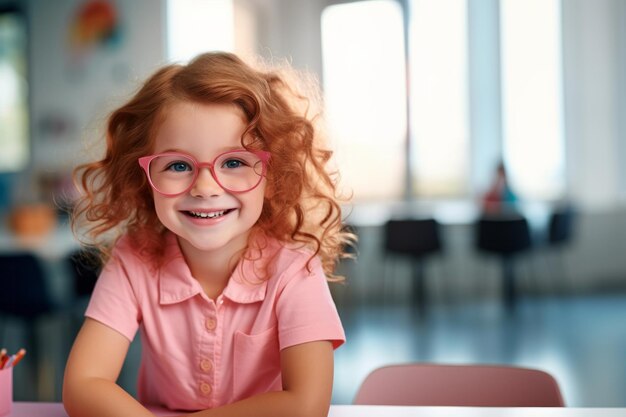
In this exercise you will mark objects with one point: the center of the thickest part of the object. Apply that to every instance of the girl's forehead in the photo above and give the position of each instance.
(188, 125)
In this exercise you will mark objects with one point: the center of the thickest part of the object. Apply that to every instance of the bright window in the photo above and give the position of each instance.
(365, 94)
(532, 96)
(196, 26)
(14, 136)
(440, 154)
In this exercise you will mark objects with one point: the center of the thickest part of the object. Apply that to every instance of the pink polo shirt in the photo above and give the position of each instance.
(200, 353)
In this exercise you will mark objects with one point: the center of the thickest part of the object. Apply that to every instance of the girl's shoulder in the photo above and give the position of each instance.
(126, 253)
(288, 259)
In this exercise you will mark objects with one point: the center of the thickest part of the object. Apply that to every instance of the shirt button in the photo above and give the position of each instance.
(206, 365)
(210, 323)
(205, 388)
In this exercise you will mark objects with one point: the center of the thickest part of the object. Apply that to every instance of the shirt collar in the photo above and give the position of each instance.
(176, 284)
(243, 286)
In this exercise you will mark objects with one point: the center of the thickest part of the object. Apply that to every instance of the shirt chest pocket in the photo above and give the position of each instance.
(256, 367)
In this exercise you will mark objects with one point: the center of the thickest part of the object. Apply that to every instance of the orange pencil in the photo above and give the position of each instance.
(3, 358)
(18, 356)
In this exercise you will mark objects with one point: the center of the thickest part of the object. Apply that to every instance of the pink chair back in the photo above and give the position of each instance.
(459, 385)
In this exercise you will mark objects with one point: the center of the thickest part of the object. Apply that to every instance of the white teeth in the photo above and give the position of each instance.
(205, 215)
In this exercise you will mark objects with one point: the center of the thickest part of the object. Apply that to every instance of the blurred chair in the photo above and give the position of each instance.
(560, 233)
(24, 289)
(560, 227)
(506, 237)
(415, 239)
(459, 385)
(84, 268)
(24, 296)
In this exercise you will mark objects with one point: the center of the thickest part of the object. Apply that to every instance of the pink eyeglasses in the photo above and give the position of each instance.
(172, 174)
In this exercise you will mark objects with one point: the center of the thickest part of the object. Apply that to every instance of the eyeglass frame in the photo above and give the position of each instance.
(145, 161)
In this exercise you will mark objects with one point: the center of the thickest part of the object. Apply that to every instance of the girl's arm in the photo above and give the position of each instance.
(89, 387)
(307, 372)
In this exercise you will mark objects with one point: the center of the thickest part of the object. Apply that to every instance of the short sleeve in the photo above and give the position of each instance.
(306, 311)
(113, 301)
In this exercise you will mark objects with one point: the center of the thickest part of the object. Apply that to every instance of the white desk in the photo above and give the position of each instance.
(25, 409)
(385, 411)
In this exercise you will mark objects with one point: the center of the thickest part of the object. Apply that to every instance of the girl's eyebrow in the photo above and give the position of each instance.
(173, 150)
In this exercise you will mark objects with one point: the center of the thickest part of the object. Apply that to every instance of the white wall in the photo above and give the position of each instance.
(289, 29)
(81, 91)
(591, 62)
(70, 97)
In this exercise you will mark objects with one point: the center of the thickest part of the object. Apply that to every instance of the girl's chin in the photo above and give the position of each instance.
(213, 245)
(200, 245)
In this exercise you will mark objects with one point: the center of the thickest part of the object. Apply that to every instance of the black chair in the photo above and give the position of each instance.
(416, 239)
(24, 296)
(505, 237)
(561, 226)
(560, 233)
(84, 268)
(24, 289)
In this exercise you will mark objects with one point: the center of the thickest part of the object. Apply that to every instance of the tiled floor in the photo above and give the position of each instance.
(581, 340)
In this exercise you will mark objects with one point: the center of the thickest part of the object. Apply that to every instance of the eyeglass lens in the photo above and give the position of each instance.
(234, 171)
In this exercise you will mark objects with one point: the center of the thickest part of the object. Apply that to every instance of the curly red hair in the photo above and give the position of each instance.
(279, 105)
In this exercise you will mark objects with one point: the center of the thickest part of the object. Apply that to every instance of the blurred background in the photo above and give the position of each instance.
(482, 141)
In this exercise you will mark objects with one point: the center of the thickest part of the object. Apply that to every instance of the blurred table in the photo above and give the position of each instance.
(53, 245)
(447, 212)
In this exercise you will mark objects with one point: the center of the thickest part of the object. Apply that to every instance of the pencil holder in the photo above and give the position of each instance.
(6, 390)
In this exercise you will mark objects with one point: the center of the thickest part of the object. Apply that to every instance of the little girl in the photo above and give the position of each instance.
(226, 226)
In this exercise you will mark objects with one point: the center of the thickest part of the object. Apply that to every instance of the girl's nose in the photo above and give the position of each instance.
(206, 185)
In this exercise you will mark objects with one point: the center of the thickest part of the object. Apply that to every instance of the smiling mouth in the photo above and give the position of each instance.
(207, 215)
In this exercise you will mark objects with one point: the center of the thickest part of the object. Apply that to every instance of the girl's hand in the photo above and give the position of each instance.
(89, 387)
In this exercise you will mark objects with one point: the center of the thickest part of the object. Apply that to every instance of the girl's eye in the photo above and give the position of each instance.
(233, 163)
(179, 166)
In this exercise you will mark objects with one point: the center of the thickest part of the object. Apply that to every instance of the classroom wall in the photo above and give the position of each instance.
(593, 51)
(70, 96)
(594, 86)
(81, 85)
(74, 86)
